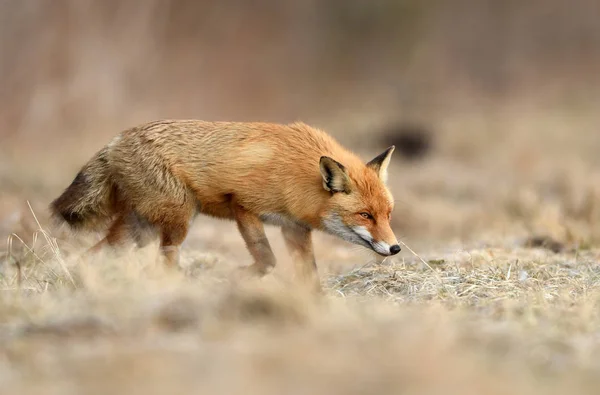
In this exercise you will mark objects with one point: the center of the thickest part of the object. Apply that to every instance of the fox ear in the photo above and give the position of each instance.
(335, 178)
(380, 163)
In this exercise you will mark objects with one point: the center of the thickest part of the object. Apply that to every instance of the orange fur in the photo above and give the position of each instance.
(165, 172)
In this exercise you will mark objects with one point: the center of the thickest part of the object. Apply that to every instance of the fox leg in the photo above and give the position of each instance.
(299, 243)
(170, 242)
(126, 226)
(117, 232)
(141, 231)
(173, 224)
(253, 233)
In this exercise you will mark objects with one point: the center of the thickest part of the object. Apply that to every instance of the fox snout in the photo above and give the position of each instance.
(381, 247)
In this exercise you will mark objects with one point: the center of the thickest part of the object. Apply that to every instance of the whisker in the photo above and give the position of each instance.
(403, 201)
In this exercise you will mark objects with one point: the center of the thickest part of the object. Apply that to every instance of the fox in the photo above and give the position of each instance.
(160, 175)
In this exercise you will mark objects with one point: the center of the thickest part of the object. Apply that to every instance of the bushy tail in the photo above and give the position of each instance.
(89, 201)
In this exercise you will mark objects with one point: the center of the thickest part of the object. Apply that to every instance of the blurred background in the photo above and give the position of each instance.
(493, 104)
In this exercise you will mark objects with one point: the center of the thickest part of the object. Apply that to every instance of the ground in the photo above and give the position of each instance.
(496, 289)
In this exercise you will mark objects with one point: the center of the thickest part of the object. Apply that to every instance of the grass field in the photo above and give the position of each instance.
(496, 290)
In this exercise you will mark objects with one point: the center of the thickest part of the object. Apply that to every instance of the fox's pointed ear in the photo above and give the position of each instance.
(335, 178)
(380, 163)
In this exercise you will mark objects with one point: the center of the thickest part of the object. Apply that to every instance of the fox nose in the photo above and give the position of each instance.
(394, 249)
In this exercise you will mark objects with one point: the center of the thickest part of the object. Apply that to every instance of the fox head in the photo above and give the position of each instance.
(359, 206)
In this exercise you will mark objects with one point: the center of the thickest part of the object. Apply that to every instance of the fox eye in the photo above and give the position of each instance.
(366, 215)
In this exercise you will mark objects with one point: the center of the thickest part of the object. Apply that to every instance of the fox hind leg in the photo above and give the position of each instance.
(117, 233)
(136, 228)
(142, 231)
(172, 221)
(160, 200)
(172, 235)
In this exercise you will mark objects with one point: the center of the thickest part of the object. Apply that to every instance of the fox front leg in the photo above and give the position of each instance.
(253, 233)
(299, 243)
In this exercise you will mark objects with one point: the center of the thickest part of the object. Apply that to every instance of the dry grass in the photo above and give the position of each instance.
(487, 320)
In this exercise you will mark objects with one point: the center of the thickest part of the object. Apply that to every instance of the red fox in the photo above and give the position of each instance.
(161, 174)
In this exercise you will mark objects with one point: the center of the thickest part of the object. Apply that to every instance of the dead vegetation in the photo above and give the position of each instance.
(483, 320)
